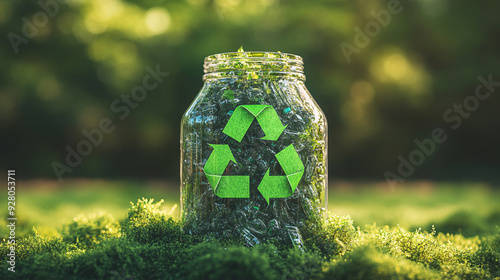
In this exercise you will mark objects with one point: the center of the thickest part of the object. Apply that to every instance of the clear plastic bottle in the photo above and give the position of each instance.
(253, 151)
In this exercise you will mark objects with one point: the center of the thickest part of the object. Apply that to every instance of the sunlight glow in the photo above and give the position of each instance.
(396, 66)
(157, 21)
(393, 66)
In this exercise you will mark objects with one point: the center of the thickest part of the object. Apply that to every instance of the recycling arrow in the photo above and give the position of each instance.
(243, 117)
(221, 156)
(283, 186)
(224, 186)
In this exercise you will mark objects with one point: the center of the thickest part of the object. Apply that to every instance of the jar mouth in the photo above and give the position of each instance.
(253, 65)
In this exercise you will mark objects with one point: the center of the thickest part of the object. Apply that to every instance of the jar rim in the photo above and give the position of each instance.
(253, 65)
(254, 54)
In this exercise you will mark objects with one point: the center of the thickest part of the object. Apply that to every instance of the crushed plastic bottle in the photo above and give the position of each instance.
(294, 234)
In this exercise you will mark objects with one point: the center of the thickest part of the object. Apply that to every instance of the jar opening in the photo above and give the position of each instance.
(253, 65)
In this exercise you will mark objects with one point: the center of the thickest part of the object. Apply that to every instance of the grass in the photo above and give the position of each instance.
(89, 230)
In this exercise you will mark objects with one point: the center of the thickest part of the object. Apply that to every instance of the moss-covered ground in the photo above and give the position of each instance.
(418, 231)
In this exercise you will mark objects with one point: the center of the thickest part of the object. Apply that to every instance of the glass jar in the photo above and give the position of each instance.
(253, 151)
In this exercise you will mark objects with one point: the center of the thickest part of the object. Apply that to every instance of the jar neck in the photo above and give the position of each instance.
(253, 65)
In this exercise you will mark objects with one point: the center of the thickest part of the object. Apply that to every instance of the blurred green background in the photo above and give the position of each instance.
(75, 58)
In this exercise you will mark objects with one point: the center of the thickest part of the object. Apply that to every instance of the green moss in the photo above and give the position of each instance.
(117, 258)
(418, 246)
(333, 237)
(295, 264)
(212, 261)
(367, 263)
(38, 257)
(147, 223)
(88, 230)
(488, 255)
(151, 245)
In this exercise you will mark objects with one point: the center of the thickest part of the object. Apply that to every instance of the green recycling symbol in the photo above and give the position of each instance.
(239, 186)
